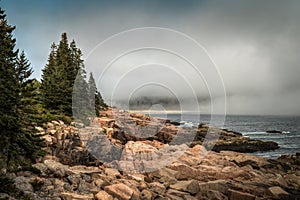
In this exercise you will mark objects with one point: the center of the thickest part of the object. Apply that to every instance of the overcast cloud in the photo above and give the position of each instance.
(255, 44)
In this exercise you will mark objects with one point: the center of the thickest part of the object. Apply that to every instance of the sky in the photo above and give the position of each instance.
(248, 52)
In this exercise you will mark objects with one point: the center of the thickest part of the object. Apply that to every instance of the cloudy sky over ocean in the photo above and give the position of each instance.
(254, 44)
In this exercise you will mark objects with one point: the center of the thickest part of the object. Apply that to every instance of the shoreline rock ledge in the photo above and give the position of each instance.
(70, 171)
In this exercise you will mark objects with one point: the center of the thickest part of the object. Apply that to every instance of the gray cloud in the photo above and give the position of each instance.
(255, 44)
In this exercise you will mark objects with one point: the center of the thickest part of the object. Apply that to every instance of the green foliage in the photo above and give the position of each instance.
(64, 89)
(95, 99)
(6, 184)
(9, 89)
(18, 143)
(30, 168)
(59, 76)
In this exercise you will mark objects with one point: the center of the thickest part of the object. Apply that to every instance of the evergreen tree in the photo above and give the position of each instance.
(49, 84)
(81, 105)
(95, 99)
(9, 121)
(92, 95)
(29, 116)
(18, 146)
(64, 64)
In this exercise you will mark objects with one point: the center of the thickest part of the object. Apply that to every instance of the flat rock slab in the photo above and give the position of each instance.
(277, 192)
(120, 191)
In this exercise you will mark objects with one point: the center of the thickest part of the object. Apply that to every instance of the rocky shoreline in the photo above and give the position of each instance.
(107, 161)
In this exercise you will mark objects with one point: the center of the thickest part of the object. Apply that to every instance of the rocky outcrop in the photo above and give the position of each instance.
(217, 175)
(273, 131)
(139, 127)
(109, 162)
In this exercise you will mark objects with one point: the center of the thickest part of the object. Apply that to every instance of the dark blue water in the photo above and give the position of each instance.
(255, 127)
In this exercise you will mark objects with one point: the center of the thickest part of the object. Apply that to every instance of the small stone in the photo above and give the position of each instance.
(277, 192)
(74, 196)
(112, 172)
(102, 195)
(120, 191)
(136, 177)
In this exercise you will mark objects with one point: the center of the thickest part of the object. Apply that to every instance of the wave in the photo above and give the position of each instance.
(184, 124)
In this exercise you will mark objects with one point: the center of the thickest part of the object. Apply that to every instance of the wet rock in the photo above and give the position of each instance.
(273, 131)
(244, 145)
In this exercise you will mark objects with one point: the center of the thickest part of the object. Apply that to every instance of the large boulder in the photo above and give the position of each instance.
(244, 145)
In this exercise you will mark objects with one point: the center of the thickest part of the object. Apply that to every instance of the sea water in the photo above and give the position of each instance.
(255, 127)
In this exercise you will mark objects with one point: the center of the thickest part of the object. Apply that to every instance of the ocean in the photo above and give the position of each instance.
(255, 127)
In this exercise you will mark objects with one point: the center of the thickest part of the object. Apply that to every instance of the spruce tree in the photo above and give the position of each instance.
(95, 99)
(82, 112)
(9, 121)
(48, 86)
(18, 146)
(92, 94)
(64, 64)
(27, 106)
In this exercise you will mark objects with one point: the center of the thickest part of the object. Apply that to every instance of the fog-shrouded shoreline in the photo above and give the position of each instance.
(282, 129)
(107, 161)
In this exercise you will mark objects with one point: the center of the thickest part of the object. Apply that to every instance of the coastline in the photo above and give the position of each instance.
(104, 161)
